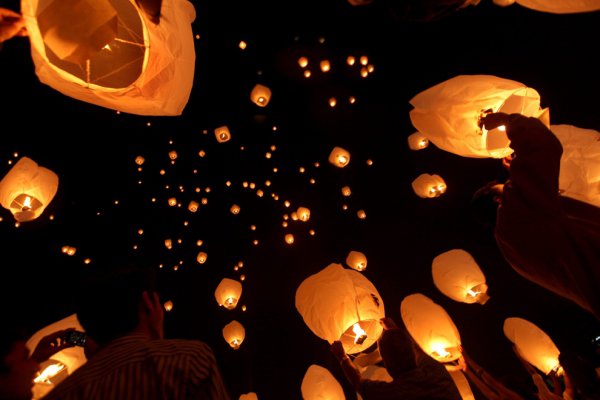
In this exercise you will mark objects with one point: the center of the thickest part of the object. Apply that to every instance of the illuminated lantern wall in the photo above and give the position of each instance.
(228, 293)
(338, 304)
(462, 384)
(234, 334)
(248, 396)
(431, 327)
(429, 186)
(555, 6)
(260, 95)
(356, 260)
(27, 189)
(137, 66)
(448, 113)
(533, 344)
(457, 275)
(417, 141)
(319, 384)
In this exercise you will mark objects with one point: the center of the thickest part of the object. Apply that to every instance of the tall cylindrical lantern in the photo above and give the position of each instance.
(228, 293)
(339, 157)
(532, 344)
(27, 189)
(319, 384)
(431, 327)
(417, 141)
(429, 186)
(356, 260)
(448, 114)
(234, 334)
(260, 95)
(115, 56)
(458, 276)
(341, 304)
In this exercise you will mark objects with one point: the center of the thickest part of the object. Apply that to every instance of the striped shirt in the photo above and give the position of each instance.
(136, 367)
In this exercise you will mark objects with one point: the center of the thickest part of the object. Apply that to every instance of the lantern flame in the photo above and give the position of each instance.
(230, 303)
(235, 343)
(361, 335)
(501, 128)
(26, 204)
(472, 293)
(439, 350)
(49, 372)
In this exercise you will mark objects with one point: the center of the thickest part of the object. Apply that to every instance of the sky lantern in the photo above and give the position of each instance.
(303, 62)
(319, 384)
(532, 344)
(260, 95)
(554, 6)
(249, 396)
(429, 186)
(356, 260)
(27, 189)
(341, 304)
(431, 327)
(417, 141)
(346, 191)
(201, 258)
(193, 206)
(222, 134)
(339, 157)
(114, 56)
(448, 113)
(457, 275)
(303, 214)
(325, 66)
(234, 334)
(228, 293)
(139, 160)
(61, 364)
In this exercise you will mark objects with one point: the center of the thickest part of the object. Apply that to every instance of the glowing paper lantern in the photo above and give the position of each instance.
(341, 304)
(532, 344)
(431, 327)
(234, 334)
(448, 113)
(193, 206)
(339, 157)
(27, 189)
(457, 275)
(319, 384)
(222, 134)
(260, 95)
(228, 293)
(356, 260)
(69, 359)
(303, 214)
(115, 56)
(201, 258)
(417, 141)
(249, 396)
(555, 6)
(461, 382)
(429, 186)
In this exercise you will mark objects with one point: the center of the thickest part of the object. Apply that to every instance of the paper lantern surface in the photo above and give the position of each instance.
(533, 344)
(561, 6)
(249, 396)
(429, 186)
(457, 275)
(147, 69)
(431, 327)
(462, 384)
(448, 113)
(334, 300)
(319, 384)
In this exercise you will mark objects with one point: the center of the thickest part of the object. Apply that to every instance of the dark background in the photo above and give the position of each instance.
(92, 149)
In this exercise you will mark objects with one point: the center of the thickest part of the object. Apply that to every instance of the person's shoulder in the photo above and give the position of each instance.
(189, 345)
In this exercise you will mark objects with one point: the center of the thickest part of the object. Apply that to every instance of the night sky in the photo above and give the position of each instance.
(104, 199)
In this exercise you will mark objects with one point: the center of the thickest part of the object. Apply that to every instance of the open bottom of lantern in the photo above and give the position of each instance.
(361, 335)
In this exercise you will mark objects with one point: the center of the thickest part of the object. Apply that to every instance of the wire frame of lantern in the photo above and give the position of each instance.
(27, 189)
(234, 334)
(429, 186)
(228, 293)
(457, 275)
(115, 56)
(222, 134)
(532, 344)
(449, 113)
(554, 6)
(356, 260)
(339, 157)
(260, 95)
(341, 304)
(417, 141)
(318, 383)
(431, 327)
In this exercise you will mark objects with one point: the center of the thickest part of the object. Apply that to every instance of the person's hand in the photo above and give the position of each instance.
(11, 24)
(507, 160)
(50, 345)
(337, 348)
(387, 323)
(152, 314)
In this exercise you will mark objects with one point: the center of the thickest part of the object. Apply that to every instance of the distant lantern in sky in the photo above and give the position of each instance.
(139, 160)
(222, 134)
(325, 66)
(248, 396)
(69, 250)
(554, 6)
(346, 191)
(303, 62)
(341, 304)
(431, 327)
(319, 384)
(115, 56)
(172, 201)
(193, 206)
(168, 305)
(303, 214)
(27, 189)
(361, 214)
(356, 260)
(201, 258)
(234, 334)
(449, 113)
(235, 209)
(260, 95)
(417, 141)
(350, 60)
(457, 275)
(429, 186)
(228, 293)
(532, 344)
(173, 155)
(332, 102)
(339, 157)
(169, 244)
(289, 238)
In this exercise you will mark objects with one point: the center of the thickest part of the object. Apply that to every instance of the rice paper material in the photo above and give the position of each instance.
(319, 384)
(532, 344)
(561, 6)
(457, 275)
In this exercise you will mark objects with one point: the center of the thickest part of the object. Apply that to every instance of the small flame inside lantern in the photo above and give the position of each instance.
(49, 372)
(439, 350)
(235, 343)
(26, 204)
(361, 335)
(230, 303)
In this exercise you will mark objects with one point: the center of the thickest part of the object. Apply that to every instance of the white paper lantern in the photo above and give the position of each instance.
(249, 396)
(356, 260)
(222, 134)
(228, 293)
(234, 334)
(457, 275)
(27, 189)
(417, 141)
(431, 327)
(339, 157)
(124, 62)
(532, 344)
(448, 113)
(319, 384)
(429, 186)
(341, 304)
(260, 95)
(555, 6)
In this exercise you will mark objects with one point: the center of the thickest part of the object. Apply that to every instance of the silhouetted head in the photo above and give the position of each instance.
(484, 204)
(396, 349)
(582, 374)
